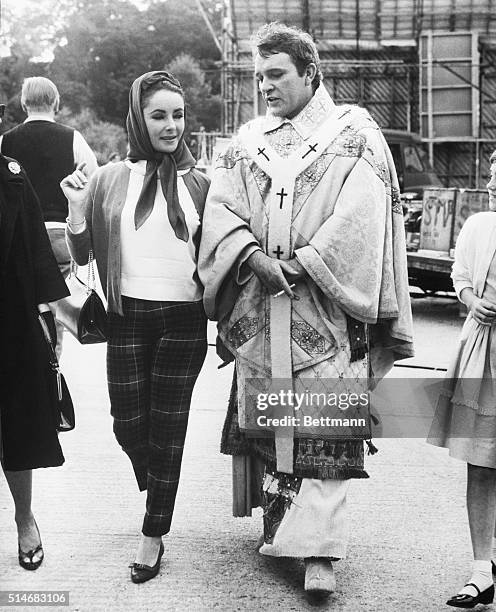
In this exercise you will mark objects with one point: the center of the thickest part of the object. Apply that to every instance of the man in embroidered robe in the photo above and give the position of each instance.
(304, 264)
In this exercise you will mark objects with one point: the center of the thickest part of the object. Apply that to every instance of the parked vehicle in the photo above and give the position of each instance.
(412, 164)
(415, 174)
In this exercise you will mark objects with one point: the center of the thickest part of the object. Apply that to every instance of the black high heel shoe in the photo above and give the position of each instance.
(141, 572)
(467, 601)
(30, 564)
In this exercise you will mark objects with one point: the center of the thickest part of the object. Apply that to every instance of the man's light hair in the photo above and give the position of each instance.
(39, 94)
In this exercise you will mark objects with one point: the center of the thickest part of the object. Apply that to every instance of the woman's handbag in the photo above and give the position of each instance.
(64, 408)
(83, 312)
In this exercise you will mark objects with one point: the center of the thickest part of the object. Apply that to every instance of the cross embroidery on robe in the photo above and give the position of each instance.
(311, 149)
(262, 152)
(282, 194)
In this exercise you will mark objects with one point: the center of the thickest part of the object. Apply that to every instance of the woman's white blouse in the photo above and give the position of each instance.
(155, 264)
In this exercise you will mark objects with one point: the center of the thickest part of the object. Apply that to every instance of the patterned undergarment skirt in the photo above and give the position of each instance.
(304, 517)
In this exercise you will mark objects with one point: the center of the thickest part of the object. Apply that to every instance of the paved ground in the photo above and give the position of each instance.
(409, 545)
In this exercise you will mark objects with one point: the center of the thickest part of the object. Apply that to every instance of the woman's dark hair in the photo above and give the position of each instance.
(276, 37)
(155, 82)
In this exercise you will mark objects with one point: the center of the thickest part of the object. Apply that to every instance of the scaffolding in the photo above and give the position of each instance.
(371, 52)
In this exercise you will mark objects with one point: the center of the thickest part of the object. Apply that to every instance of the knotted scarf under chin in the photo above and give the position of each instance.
(167, 172)
(166, 164)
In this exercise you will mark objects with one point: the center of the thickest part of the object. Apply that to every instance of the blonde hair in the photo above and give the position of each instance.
(39, 94)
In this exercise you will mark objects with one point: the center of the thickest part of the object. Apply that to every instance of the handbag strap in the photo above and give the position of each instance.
(90, 280)
(52, 356)
(91, 271)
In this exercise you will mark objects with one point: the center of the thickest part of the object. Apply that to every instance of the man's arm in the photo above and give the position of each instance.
(83, 154)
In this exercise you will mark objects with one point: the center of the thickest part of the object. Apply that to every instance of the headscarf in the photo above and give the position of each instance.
(167, 164)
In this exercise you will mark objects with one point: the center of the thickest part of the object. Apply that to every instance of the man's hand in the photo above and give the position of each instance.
(293, 270)
(270, 273)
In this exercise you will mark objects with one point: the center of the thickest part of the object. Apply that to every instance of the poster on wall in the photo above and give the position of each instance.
(437, 219)
(468, 202)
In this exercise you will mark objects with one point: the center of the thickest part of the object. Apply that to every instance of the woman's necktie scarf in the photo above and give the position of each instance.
(166, 164)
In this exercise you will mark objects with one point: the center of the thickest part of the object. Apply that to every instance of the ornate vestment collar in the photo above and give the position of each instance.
(308, 119)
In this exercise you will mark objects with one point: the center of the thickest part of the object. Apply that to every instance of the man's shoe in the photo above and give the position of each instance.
(467, 601)
(141, 572)
(319, 576)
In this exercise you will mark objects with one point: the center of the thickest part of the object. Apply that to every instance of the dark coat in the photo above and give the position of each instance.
(29, 275)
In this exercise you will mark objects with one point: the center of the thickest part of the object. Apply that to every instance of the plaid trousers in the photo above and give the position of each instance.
(154, 355)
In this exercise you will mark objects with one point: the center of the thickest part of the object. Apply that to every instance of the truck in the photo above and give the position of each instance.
(428, 269)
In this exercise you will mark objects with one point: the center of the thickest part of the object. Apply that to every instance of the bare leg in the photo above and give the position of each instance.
(20, 484)
(148, 549)
(481, 507)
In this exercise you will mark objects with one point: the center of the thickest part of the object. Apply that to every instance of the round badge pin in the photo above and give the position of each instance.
(14, 167)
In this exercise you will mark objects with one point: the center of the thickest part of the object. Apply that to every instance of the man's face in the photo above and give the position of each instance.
(285, 92)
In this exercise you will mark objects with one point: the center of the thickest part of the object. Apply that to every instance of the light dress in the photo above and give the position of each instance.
(465, 418)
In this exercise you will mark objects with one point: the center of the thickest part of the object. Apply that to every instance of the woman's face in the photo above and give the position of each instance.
(164, 119)
(491, 188)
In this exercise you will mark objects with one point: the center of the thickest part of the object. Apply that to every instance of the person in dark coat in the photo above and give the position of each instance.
(29, 280)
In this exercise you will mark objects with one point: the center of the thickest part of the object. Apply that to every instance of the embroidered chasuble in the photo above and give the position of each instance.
(322, 188)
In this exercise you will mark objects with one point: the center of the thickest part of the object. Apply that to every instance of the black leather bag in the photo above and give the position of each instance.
(83, 312)
(62, 401)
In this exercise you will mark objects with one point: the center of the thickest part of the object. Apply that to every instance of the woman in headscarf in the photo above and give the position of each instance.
(142, 218)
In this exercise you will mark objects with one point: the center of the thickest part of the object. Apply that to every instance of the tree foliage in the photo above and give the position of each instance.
(103, 137)
(101, 46)
(202, 107)
(110, 43)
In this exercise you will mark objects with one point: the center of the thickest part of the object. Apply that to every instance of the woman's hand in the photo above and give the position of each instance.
(75, 188)
(46, 313)
(483, 311)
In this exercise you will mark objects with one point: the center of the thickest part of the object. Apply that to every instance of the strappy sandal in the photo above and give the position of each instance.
(461, 600)
(30, 564)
